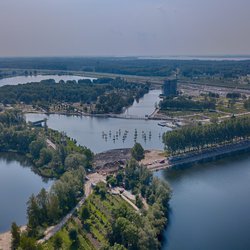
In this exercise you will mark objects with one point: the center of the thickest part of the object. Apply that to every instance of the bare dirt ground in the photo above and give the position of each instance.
(5, 239)
(110, 161)
(153, 159)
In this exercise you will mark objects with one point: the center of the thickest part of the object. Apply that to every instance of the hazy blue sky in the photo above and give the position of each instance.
(124, 27)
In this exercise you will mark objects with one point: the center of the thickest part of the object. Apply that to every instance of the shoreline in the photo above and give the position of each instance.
(5, 238)
(204, 155)
(194, 157)
(155, 160)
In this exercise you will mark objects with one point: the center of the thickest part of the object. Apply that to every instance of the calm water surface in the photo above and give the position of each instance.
(210, 206)
(17, 183)
(89, 131)
(146, 105)
(25, 79)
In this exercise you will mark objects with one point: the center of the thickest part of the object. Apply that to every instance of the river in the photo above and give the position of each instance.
(37, 78)
(210, 206)
(17, 183)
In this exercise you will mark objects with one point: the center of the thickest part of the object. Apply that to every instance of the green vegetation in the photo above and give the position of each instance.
(233, 95)
(247, 104)
(17, 136)
(106, 221)
(107, 95)
(66, 161)
(183, 103)
(200, 137)
(137, 152)
(15, 232)
(130, 66)
(48, 207)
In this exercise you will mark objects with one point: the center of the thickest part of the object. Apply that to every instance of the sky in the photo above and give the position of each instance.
(124, 27)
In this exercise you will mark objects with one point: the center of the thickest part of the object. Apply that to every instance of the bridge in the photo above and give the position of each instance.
(130, 117)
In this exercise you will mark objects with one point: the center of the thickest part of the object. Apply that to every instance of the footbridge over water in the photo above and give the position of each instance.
(130, 117)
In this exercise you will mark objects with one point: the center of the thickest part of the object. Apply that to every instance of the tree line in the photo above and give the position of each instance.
(132, 66)
(48, 207)
(199, 137)
(140, 232)
(184, 103)
(127, 229)
(17, 136)
(109, 95)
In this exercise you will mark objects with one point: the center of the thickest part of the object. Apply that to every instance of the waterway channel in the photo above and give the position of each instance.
(37, 78)
(210, 205)
(17, 183)
(101, 134)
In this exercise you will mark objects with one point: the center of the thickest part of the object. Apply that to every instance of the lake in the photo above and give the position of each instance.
(210, 206)
(26, 79)
(101, 134)
(17, 183)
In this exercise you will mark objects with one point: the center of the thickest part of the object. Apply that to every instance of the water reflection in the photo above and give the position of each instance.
(17, 182)
(210, 205)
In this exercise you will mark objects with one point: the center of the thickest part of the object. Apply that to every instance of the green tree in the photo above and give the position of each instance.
(117, 247)
(73, 234)
(28, 243)
(111, 180)
(74, 161)
(33, 212)
(85, 213)
(138, 201)
(101, 190)
(119, 178)
(45, 156)
(138, 152)
(42, 201)
(148, 238)
(35, 148)
(15, 233)
(53, 208)
(57, 242)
